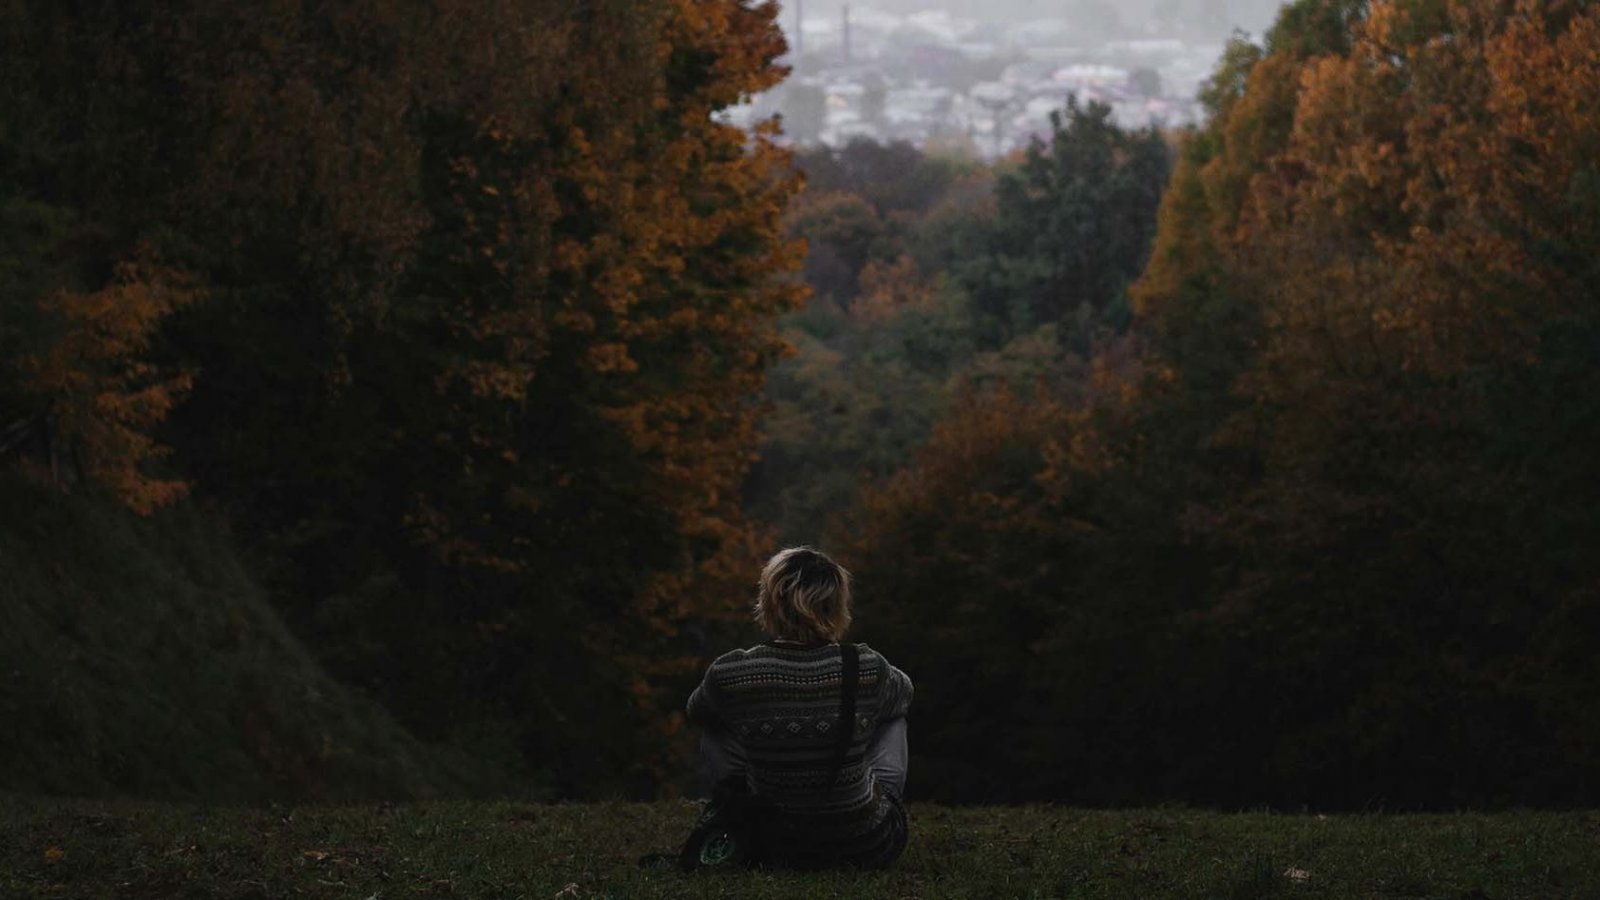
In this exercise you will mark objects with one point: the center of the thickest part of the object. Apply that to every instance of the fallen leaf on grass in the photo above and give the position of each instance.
(317, 855)
(51, 854)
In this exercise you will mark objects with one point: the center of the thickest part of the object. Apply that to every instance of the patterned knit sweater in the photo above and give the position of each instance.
(776, 708)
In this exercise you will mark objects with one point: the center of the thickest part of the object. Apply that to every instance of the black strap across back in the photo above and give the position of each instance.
(849, 680)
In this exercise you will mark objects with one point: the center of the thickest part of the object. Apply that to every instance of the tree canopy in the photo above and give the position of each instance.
(469, 303)
(1311, 534)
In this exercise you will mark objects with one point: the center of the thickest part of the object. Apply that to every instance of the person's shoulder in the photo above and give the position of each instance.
(732, 656)
(739, 665)
(866, 652)
(738, 655)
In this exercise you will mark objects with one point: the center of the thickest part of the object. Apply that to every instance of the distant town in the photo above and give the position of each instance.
(939, 79)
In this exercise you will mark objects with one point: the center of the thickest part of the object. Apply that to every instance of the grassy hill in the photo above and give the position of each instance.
(76, 849)
(138, 657)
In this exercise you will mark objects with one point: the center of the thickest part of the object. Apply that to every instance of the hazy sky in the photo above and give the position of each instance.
(1216, 17)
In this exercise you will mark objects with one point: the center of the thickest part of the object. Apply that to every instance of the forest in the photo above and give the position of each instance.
(1245, 465)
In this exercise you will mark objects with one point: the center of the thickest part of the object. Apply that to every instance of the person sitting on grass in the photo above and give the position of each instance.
(803, 736)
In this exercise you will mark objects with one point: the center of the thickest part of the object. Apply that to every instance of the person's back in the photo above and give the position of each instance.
(776, 723)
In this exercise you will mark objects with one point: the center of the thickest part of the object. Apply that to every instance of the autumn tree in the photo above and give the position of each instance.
(80, 399)
(103, 399)
(843, 233)
(1415, 259)
(1318, 534)
(1347, 280)
(489, 289)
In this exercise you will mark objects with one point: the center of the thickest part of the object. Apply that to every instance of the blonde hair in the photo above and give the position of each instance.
(803, 596)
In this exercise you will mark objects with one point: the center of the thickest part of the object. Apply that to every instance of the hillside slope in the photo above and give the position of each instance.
(138, 657)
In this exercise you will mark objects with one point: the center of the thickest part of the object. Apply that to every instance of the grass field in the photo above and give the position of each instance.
(100, 849)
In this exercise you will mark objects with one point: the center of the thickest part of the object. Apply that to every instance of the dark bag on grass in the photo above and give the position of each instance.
(735, 830)
(731, 831)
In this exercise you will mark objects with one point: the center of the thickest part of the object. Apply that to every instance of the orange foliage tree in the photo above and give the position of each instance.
(607, 276)
(1327, 536)
(104, 397)
(490, 289)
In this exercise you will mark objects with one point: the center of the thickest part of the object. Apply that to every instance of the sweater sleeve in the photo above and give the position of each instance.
(894, 697)
(702, 707)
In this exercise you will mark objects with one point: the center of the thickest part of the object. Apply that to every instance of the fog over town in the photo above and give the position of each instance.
(983, 76)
